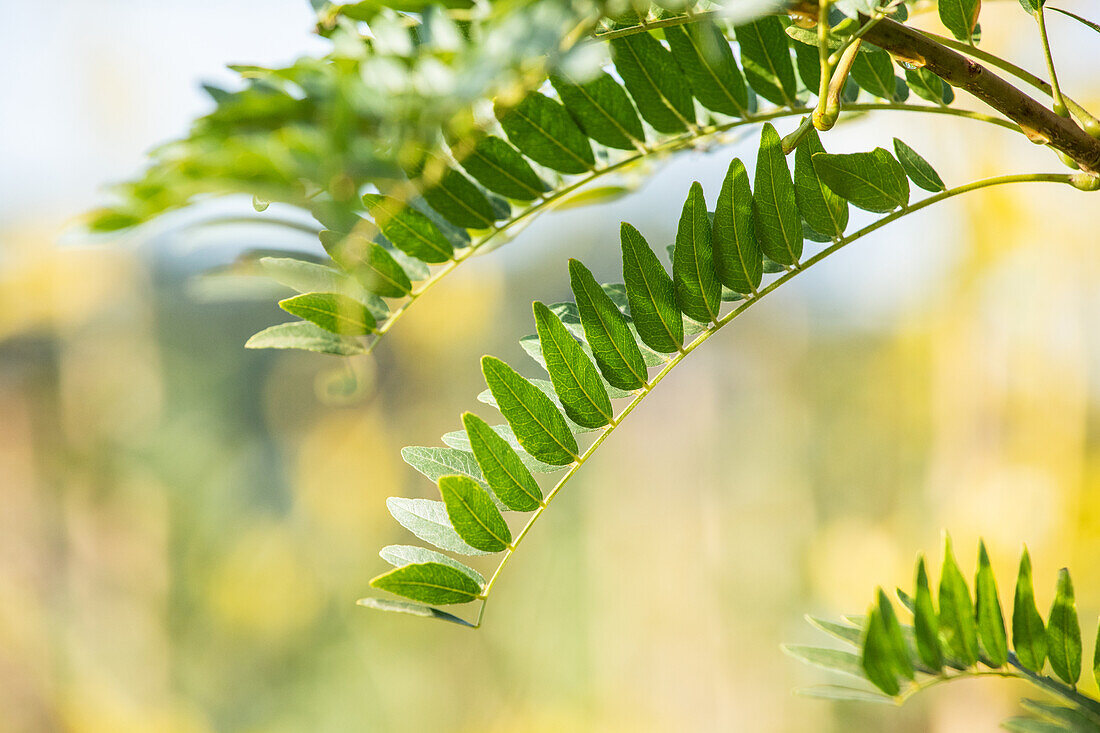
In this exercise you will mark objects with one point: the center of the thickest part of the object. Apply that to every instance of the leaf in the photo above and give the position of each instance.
(1076, 17)
(1029, 637)
(429, 582)
(956, 611)
(833, 660)
(606, 331)
(369, 262)
(929, 86)
(697, 288)
(840, 692)
(305, 336)
(1064, 632)
(926, 627)
(310, 277)
(872, 69)
(1031, 725)
(428, 520)
(844, 632)
(738, 262)
(778, 223)
(650, 293)
(766, 59)
(413, 609)
(501, 466)
(399, 555)
(574, 377)
(895, 639)
(821, 207)
(500, 168)
(602, 109)
(877, 659)
(991, 623)
(1076, 717)
(960, 17)
(436, 462)
(459, 201)
(917, 168)
(458, 439)
(659, 89)
(872, 181)
(545, 133)
(409, 230)
(473, 515)
(538, 425)
(707, 61)
(332, 312)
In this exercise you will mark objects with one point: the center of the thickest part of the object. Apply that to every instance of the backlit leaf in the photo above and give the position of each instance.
(917, 168)
(409, 230)
(538, 425)
(956, 611)
(820, 206)
(960, 17)
(778, 223)
(926, 627)
(500, 168)
(659, 89)
(872, 181)
(707, 60)
(473, 514)
(877, 659)
(697, 288)
(991, 624)
(399, 555)
(602, 109)
(650, 294)
(430, 582)
(501, 466)
(575, 379)
(332, 312)
(542, 129)
(738, 261)
(369, 262)
(606, 331)
(1029, 637)
(1064, 632)
(895, 639)
(766, 59)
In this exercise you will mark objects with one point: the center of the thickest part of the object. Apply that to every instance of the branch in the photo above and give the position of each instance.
(1039, 123)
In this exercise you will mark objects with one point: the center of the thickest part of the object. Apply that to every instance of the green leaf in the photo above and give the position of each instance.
(413, 609)
(766, 59)
(960, 17)
(409, 230)
(926, 626)
(917, 168)
(650, 294)
(606, 331)
(929, 86)
(656, 83)
(895, 639)
(545, 133)
(459, 201)
(501, 466)
(369, 262)
(429, 582)
(872, 181)
(738, 261)
(778, 223)
(1032, 6)
(1076, 717)
(538, 425)
(473, 515)
(602, 109)
(872, 69)
(991, 623)
(575, 379)
(305, 336)
(1064, 632)
(821, 207)
(1029, 637)
(707, 60)
(698, 293)
(1076, 17)
(833, 660)
(428, 520)
(435, 462)
(877, 658)
(500, 168)
(400, 555)
(458, 439)
(956, 611)
(332, 312)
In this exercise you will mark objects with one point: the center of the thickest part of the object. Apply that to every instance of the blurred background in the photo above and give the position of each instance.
(186, 525)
